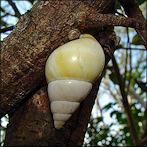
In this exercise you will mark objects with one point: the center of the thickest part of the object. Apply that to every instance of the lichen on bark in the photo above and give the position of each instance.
(24, 52)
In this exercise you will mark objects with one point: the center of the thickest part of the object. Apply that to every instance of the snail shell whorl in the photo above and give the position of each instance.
(70, 71)
(74, 34)
(65, 97)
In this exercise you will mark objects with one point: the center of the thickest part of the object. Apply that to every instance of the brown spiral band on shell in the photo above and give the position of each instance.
(74, 34)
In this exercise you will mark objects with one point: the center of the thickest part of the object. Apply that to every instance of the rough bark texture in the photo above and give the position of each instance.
(32, 124)
(24, 52)
(35, 36)
(130, 7)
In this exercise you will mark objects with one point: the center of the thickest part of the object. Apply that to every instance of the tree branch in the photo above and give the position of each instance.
(125, 102)
(130, 7)
(6, 29)
(137, 97)
(36, 122)
(125, 48)
(17, 13)
(35, 36)
(97, 20)
(129, 62)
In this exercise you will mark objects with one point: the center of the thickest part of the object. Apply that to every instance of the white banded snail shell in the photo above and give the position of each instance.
(70, 71)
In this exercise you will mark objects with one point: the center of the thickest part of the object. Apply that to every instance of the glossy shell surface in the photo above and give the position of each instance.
(70, 71)
(65, 97)
(78, 59)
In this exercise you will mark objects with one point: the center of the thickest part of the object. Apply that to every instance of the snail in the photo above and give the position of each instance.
(74, 34)
(70, 71)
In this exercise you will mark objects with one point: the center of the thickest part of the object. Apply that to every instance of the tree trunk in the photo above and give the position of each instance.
(130, 7)
(24, 52)
(32, 123)
(38, 32)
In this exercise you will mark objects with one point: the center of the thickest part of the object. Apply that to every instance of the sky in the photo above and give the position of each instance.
(22, 6)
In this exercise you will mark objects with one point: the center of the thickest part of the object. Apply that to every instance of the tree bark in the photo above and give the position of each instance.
(32, 123)
(24, 52)
(41, 30)
(38, 32)
(130, 7)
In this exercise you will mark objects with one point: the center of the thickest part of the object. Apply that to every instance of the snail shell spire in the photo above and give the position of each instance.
(70, 71)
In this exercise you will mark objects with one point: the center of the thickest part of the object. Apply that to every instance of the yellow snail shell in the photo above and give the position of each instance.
(70, 71)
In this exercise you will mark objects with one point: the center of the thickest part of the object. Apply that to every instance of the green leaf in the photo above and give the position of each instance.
(31, 1)
(113, 78)
(110, 67)
(118, 115)
(1, 9)
(113, 112)
(108, 106)
(119, 6)
(99, 119)
(3, 23)
(4, 15)
(142, 85)
(136, 40)
(140, 1)
(3, 128)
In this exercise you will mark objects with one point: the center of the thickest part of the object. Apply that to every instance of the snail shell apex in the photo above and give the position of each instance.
(70, 71)
(65, 97)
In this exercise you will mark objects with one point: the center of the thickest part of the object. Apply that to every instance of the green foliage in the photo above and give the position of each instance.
(113, 78)
(132, 65)
(3, 14)
(31, 1)
(141, 1)
(3, 129)
(116, 132)
(136, 40)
